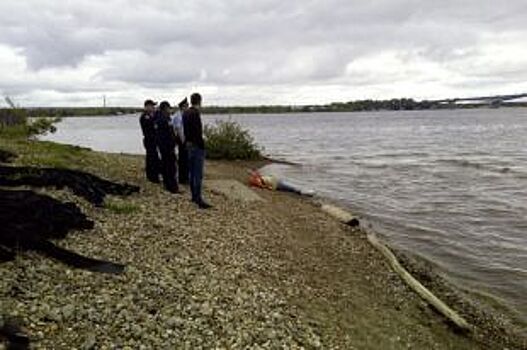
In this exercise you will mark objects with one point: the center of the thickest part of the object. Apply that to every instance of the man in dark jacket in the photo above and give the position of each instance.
(149, 141)
(193, 129)
(166, 143)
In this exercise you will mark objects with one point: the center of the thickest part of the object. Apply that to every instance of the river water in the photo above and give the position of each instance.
(450, 185)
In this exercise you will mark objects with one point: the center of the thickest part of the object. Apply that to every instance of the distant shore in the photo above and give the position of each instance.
(357, 106)
(266, 273)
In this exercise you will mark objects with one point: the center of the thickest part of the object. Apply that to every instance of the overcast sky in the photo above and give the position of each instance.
(71, 53)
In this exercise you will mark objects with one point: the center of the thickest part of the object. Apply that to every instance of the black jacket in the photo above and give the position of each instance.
(147, 126)
(164, 132)
(193, 128)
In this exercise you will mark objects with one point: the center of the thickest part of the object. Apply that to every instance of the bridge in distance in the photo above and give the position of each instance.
(496, 100)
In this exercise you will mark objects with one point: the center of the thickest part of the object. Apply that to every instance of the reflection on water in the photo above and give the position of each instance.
(451, 185)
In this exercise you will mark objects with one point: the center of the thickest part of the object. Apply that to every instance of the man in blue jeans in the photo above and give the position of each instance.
(193, 129)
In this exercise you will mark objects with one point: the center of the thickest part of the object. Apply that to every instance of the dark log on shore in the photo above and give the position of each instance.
(13, 335)
(30, 219)
(85, 185)
(6, 156)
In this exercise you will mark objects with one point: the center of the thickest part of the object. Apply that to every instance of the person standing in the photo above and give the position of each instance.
(152, 163)
(166, 143)
(193, 129)
(182, 156)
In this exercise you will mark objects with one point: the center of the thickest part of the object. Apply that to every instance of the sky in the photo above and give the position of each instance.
(259, 52)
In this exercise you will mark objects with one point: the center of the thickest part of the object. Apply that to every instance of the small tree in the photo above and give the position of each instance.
(15, 122)
(228, 140)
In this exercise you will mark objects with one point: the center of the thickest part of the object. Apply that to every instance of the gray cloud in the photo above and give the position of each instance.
(119, 45)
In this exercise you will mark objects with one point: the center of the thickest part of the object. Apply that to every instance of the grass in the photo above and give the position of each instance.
(120, 207)
(46, 154)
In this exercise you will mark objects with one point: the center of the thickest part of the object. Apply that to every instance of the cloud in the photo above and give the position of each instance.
(269, 51)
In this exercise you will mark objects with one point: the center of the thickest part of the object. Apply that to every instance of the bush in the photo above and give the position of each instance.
(12, 117)
(41, 126)
(15, 123)
(228, 140)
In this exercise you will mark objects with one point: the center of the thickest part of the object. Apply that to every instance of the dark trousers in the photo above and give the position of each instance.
(182, 164)
(196, 160)
(168, 168)
(152, 162)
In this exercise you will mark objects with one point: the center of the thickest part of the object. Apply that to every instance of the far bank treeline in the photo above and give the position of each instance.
(403, 104)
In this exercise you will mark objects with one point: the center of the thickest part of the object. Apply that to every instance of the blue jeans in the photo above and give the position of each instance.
(196, 160)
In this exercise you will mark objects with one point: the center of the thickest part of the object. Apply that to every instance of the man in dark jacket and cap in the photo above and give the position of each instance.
(166, 143)
(146, 121)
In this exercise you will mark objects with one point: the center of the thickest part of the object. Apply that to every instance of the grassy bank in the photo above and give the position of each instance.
(275, 273)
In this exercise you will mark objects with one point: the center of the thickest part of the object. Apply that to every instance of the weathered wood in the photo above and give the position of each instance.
(29, 220)
(13, 334)
(340, 214)
(349, 219)
(428, 296)
(6, 156)
(88, 186)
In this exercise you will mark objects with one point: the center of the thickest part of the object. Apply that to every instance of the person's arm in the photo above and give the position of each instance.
(142, 123)
(178, 127)
(199, 127)
(181, 133)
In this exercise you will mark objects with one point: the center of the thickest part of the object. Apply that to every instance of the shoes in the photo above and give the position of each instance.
(202, 204)
(174, 190)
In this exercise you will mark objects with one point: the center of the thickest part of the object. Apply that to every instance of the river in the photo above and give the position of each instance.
(450, 185)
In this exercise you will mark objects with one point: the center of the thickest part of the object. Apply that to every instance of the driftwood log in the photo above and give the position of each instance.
(413, 283)
(13, 335)
(348, 219)
(6, 156)
(85, 185)
(29, 220)
(340, 214)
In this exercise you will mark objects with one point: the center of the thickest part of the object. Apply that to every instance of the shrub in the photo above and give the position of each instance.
(41, 126)
(15, 123)
(12, 117)
(228, 140)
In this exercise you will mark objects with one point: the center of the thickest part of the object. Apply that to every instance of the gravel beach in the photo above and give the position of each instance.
(275, 273)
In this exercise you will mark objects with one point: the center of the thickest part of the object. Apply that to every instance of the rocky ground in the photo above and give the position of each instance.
(276, 274)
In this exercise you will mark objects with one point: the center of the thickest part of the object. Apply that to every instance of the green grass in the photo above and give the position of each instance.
(121, 207)
(45, 154)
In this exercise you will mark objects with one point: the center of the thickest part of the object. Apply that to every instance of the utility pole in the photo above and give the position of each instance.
(104, 101)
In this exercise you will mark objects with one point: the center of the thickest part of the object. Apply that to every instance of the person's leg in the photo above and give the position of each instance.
(152, 164)
(192, 172)
(199, 180)
(200, 159)
(183, 171)
(171, 171)
(285, 187)
(168, 167)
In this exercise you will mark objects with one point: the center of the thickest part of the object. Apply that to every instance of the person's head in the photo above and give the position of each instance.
(150, 106)
(164, 107)
(183, 105)
(195, 100)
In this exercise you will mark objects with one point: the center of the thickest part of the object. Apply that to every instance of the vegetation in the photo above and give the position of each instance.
(396, 104)
(402, 104)
(228, 140)
(121, 207)
(16, 122)
(80, 111)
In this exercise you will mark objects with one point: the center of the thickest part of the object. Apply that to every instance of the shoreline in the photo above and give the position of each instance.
(310, 269)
